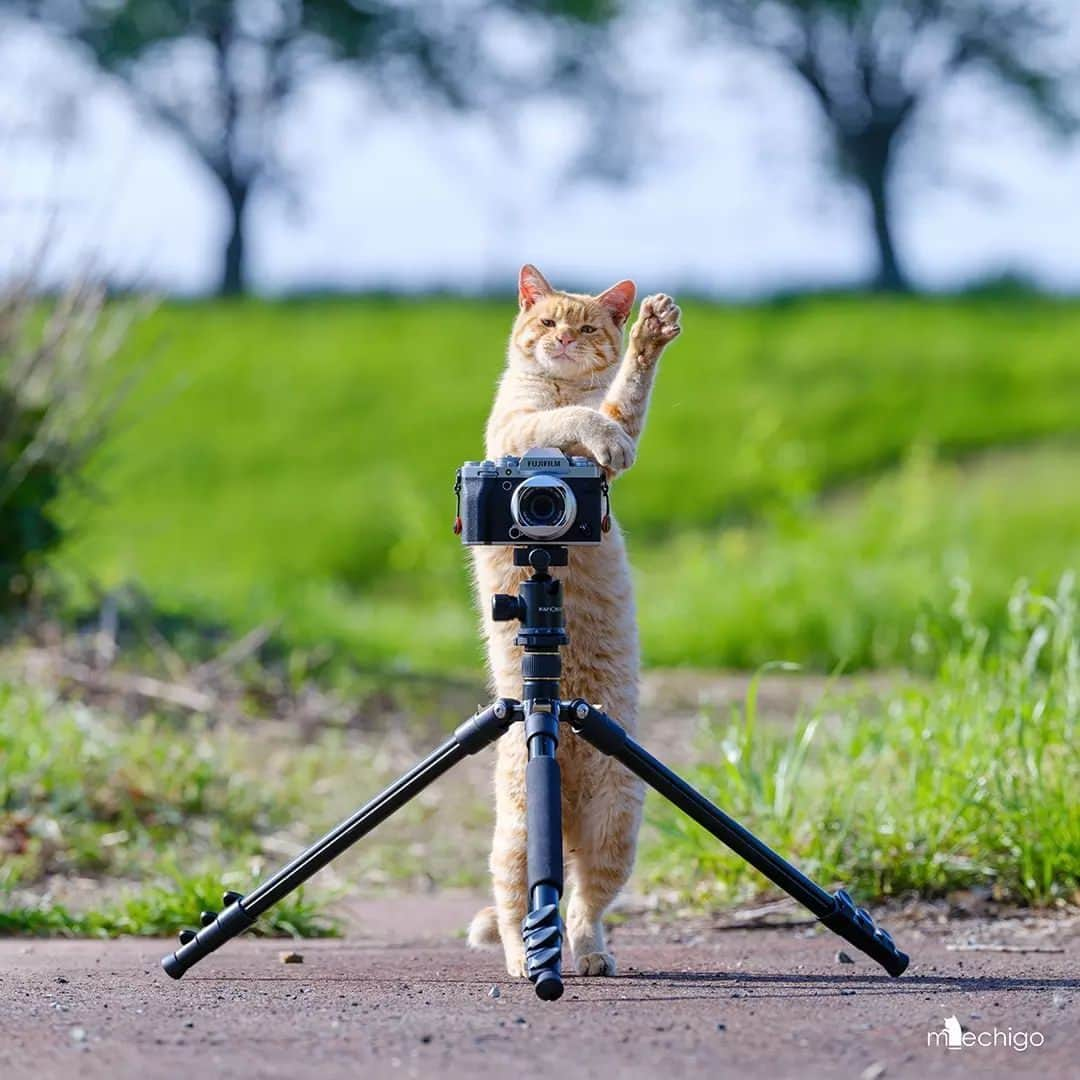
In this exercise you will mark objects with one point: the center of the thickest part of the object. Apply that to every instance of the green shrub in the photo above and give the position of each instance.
(54, 408)
(27, 491)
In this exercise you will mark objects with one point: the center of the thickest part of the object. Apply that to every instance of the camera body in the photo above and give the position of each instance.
(543, 497)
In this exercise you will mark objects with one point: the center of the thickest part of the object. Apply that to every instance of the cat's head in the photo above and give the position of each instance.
(567, 335)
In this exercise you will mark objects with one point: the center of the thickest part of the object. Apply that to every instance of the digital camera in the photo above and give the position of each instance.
(543, 497)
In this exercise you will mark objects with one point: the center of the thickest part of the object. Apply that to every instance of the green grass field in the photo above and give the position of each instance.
(963, 780)
(812, 483)
(841, 483)
(151, 807)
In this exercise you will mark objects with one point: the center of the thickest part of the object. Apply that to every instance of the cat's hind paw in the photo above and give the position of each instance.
(596, 963)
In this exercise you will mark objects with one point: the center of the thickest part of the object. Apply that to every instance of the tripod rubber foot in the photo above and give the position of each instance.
(548, 986)
(194, 946)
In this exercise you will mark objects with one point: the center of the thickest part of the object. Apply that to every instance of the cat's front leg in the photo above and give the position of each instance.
(656, 327)
(627, 401)
(574, 429)
(605, 441)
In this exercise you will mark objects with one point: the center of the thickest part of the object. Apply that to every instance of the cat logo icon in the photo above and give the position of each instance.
(954, 1036)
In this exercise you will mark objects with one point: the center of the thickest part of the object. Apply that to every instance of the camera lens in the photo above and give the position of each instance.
(543, 507)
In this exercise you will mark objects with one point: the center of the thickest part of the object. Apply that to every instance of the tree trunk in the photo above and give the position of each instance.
(890, 275)
(233, 269)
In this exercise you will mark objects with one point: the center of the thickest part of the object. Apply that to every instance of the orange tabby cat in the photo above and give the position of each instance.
(564, 386)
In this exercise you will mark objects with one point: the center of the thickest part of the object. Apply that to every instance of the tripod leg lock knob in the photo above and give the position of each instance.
(855, 924)
(487, 725)
(542, 930)
(594, 726)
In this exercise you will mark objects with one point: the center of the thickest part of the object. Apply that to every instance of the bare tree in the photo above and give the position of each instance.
(221, 73)
(871, 65)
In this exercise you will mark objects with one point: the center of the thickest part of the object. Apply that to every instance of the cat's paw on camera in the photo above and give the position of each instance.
(610, 447)
(657, 325)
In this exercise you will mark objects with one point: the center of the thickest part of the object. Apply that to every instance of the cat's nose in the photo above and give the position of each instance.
(565, 338)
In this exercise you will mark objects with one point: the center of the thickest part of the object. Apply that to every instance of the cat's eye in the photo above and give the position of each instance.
(587, 329)
(548, 322)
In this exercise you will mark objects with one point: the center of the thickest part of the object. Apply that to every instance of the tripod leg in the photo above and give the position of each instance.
(542, 929)
(838, 912)
(242, 911)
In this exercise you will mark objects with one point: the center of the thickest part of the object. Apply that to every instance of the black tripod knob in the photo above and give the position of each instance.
(504, 608)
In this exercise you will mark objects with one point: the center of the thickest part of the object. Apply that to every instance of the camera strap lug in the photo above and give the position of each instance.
(605, 521)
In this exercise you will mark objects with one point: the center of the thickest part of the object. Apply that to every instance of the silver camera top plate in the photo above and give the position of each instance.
(548, 460)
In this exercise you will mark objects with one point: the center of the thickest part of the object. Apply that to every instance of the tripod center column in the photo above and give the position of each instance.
(542, 633)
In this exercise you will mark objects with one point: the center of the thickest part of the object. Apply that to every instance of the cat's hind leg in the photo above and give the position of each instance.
(509, 859)
(601, 842)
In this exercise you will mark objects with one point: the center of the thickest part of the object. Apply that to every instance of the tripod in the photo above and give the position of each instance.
(538, 608)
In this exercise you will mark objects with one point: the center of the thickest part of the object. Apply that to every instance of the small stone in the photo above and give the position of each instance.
(843, 958)
(494, 992)
(520, 1020)
(425, 1038)
(61, 979)
(738, 993)
(847, 993)
(721, 1027)
(873, 1072)
(290, 957)
(78, 1034)
(189, 1023)
(1059, 1000)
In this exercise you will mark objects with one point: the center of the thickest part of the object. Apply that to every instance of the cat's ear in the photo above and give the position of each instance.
(619, 299)
(532, 285)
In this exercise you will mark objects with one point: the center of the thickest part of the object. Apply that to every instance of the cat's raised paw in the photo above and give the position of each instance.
(596, 963)
(657, 325)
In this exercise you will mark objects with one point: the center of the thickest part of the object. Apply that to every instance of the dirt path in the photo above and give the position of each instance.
(403, 997)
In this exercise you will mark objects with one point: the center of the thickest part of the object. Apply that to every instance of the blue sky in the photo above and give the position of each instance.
(736, 200)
